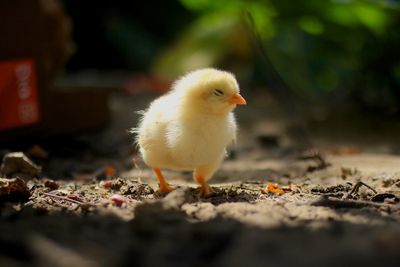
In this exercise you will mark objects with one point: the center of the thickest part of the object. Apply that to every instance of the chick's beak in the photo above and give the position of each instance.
(238, 99)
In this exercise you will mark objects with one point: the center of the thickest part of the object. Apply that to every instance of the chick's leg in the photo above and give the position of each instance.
(163, 186)
(205, 189)
(201, 175)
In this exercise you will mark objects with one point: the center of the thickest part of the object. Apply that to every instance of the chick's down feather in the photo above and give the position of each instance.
(190, 127)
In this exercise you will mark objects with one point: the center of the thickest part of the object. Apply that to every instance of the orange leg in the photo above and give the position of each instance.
(163, 186)
(205, 189)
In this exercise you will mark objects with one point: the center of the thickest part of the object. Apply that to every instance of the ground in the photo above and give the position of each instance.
(95, 203)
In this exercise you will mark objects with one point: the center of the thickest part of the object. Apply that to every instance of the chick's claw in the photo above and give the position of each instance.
(204, 191)
(165, 188)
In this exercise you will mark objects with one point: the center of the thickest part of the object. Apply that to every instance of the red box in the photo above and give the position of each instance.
(19, 105)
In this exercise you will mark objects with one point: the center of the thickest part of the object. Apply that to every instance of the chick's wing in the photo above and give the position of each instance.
(152, 128)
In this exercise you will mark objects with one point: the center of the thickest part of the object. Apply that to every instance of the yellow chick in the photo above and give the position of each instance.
(189, 128)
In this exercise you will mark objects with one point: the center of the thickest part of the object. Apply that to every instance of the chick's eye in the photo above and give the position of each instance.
(218, 92)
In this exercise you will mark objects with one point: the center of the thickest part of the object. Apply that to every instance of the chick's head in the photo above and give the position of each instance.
(210, 91)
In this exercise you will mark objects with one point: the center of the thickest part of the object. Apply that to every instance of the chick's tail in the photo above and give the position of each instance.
(135, 131)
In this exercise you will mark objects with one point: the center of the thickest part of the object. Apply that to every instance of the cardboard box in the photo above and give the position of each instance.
(35, 43)
(19, 104)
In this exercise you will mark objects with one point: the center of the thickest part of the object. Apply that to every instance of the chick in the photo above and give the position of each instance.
(189, 128)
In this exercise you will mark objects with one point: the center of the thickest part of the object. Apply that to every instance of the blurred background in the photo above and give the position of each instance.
(319, 74)
(93, 63)
(337, 50)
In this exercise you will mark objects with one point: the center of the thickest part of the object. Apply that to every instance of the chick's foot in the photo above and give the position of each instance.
(204, 190)
(164, 187)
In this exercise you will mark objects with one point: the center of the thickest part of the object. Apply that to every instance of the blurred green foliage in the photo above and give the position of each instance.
(332, 49)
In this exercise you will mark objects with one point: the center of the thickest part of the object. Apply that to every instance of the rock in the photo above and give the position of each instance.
(37, 152)
(118, 199)
(136, 188)
(14, 189)
(53, 185)
(17, 163)
(177, 198)
(200, 211)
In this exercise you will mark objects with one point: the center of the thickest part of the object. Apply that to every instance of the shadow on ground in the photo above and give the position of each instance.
(165, 236)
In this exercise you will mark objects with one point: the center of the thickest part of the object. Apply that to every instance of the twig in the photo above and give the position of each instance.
(356, 188)
(67, 199)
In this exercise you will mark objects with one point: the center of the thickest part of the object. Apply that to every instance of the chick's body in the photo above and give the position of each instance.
(179, 141)
(190, 127)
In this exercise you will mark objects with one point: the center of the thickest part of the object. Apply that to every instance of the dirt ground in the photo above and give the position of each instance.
(95, 203)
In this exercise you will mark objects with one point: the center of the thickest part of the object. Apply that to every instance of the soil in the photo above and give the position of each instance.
(95, 203)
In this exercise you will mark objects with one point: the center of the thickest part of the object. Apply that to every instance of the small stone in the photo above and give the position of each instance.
(74, 197)
(18, 163)
(106, 184)
(13, 190)
(118, 199)
(53, 185)
(176, 198)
